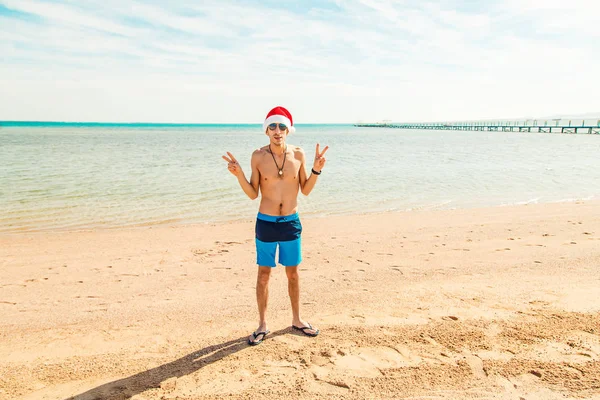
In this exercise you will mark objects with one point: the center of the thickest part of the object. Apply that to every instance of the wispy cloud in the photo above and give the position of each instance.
(229, 61)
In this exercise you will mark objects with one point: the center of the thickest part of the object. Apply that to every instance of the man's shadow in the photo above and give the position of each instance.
(152, 378)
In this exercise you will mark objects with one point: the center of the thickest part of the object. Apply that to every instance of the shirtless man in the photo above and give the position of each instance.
(278, 171)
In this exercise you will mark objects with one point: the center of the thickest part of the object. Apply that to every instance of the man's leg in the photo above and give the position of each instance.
(262, 298)
(262, 294)
(294, 292)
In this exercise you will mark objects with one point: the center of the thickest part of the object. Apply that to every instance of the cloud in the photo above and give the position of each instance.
(329, 61)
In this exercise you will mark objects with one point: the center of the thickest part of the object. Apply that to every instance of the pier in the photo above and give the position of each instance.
(542, 126)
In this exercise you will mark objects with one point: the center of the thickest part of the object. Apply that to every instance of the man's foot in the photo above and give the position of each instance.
(257, 337)
(307, 329)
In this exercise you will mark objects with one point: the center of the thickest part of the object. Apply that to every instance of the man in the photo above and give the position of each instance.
(278, 172)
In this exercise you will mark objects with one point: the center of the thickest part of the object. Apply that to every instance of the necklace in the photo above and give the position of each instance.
(283, 164)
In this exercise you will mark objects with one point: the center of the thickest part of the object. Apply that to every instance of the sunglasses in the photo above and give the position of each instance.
(282, 127)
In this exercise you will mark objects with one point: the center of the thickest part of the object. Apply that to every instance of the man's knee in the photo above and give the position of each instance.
(292, 273)
(263, 275)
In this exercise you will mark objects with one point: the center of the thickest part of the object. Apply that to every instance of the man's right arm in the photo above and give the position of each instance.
(251, 187)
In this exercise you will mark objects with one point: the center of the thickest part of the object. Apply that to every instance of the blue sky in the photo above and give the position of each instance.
(326, 61)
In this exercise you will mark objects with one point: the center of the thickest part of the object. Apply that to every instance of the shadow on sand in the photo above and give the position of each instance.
(127, 387)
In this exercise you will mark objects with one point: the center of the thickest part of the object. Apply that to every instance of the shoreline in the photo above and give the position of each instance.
(496, 302)
(246, 219)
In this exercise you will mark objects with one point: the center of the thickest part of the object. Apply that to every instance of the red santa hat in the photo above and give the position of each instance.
(279, 115)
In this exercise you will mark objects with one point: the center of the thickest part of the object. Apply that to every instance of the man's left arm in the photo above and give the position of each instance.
(307, 184)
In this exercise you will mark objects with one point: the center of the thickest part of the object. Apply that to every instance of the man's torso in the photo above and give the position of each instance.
(279, 193)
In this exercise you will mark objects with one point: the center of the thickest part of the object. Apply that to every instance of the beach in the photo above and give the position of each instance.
(450, 242)
(474, 303)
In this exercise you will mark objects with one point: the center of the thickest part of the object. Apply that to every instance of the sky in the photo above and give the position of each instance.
(338, 61)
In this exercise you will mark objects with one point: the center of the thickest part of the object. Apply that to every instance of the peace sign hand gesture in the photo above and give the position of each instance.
(319, 159)
(233, 166)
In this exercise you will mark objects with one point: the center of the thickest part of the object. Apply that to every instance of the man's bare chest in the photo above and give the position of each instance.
(271, 167)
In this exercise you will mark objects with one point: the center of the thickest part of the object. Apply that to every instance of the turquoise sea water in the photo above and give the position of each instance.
(86, 176)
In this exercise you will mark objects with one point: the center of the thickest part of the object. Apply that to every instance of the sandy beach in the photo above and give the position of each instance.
(494, 303)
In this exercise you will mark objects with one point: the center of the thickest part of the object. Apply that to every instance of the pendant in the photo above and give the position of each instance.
(280, 172)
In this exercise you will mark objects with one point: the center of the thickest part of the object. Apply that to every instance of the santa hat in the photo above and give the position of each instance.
(280, 115)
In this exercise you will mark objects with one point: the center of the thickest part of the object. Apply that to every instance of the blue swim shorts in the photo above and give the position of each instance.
(278, 231)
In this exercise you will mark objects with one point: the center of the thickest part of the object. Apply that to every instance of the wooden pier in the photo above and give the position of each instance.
(555, 126)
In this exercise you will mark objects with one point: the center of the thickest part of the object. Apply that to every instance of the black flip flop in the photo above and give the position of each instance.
(305, 328)
(256, 335)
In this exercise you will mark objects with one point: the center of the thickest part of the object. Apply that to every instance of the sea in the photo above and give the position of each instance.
(89, 176)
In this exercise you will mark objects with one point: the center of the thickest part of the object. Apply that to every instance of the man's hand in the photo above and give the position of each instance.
(233, 166)
(319, 159)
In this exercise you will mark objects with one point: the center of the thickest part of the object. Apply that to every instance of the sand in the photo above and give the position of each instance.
(495, 303)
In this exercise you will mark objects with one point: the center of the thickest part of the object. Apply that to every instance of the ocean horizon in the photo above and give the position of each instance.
(99, 175)
(94, 124)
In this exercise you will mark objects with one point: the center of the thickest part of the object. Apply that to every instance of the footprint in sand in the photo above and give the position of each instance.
(450, 318)
(537, 374)
(361, 318)
(13, 284)
(366, 362)
(476, 365)
(539, 303)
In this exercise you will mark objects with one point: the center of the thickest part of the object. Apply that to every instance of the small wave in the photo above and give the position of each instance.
(441, 205)
(530, 201)
(574, 199)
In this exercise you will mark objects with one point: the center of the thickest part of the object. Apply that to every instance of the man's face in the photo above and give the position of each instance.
(277, 133)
